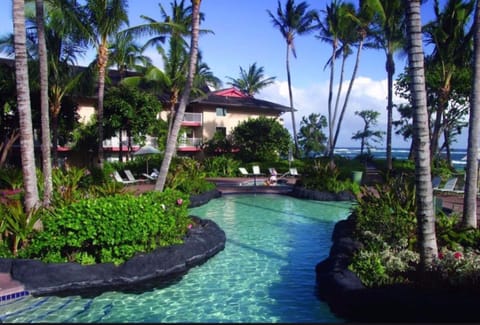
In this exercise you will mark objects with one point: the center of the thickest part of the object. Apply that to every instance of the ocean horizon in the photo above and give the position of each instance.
(458, 155)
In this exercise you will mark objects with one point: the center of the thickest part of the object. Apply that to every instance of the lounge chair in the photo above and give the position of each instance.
(273, 172)
(294, 172)
(118, 178)
(256, 170)
(152, 177)
(449, 185)
(436, 182)
(243, 171)
(132, 178)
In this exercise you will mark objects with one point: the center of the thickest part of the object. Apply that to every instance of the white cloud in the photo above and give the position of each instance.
(366, 94)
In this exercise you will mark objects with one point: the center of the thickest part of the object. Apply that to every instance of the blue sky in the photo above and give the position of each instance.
(243, 34)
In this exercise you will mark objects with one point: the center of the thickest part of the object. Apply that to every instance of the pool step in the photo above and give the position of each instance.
(10, 289)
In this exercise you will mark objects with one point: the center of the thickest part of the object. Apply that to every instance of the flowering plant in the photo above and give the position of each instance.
(457, 268)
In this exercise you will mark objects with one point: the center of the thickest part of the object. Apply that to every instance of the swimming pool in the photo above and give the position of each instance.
(265, 274)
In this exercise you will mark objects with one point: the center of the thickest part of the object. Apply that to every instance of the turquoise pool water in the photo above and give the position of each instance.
(266, 273)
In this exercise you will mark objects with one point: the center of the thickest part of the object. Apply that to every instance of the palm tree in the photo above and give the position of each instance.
(103, 19)
(173, 138)
(251, 82)
(363, 20)
(423, 181)
(452, 50)
(389, 34)
(23, 104)
(336, 17)
(471, 187)
(125, 54)
(294, 20)
(45, 119)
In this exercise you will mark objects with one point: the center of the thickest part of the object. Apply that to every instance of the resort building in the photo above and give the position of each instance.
(217, 111)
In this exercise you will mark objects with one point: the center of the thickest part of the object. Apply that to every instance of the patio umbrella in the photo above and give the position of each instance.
(146, 151)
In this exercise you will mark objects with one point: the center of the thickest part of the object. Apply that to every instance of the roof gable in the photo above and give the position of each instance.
(230, 92)
(233, 97)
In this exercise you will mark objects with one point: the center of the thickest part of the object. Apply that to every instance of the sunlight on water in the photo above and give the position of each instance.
(266, 273)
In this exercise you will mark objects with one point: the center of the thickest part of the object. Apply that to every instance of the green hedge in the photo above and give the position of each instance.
(111, 229)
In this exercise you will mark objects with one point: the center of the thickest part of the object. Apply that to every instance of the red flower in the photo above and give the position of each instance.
(440, 255)
(457, 255)
(179, 201)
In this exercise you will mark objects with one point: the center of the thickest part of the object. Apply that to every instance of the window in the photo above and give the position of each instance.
(221, 111)
(221, 131)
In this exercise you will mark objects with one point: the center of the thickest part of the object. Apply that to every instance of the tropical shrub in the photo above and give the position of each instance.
(188, 176)
(327, 178)
(16, 225)
(389, 211)
(112, 228)
(221, 166)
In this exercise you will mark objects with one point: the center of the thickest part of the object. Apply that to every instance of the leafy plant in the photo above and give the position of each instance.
(17, 224)
(112, 228)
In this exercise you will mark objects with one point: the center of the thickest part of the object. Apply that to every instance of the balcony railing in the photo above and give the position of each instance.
(192, 119)
(189, 142)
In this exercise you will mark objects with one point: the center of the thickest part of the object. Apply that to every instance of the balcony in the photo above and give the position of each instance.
(192, 119)
(189, 144)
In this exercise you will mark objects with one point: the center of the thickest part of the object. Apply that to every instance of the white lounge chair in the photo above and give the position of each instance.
(449, 185)
(243, 171)
(256, 170)
(152, 177)
(132, 178)
(294, 172)
(273, 172)
(118, 178)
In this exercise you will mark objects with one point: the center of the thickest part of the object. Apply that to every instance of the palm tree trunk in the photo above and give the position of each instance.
(424, 193)
(102, 66)
(471, 183)
(330, 97)
(347, 95)
(172, 140)
(24, 112)
(46, 141)
(390, 71)
(294, 127)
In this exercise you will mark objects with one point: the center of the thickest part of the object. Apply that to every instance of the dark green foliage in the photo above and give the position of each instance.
(326, 177)
(111, 229)
(188, 175)
(132, 110)
(388, 211)
(451, 234)
(311, 137)
(221, 166)
(261, 139)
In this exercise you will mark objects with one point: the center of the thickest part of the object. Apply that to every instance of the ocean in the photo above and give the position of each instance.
(458, 155)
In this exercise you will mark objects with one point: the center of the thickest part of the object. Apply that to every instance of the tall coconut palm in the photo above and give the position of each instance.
(471, 187)
(423, 182)
(389, 29)
(103, 19)
(251, 82)
(361, 30)
(292, 21)
(173, 138)
(24, 111)
(336, 22)
(45, 119)
(126, 55)
(452, 50)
